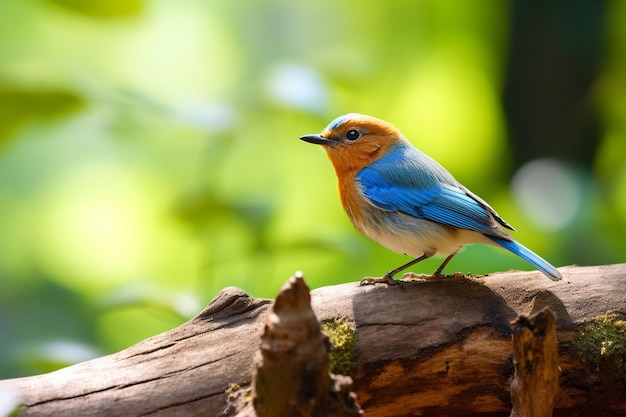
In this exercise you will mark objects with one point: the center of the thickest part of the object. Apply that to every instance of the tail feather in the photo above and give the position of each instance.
(529, 256)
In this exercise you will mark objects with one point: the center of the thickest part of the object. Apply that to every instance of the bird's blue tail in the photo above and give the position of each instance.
(529, 256)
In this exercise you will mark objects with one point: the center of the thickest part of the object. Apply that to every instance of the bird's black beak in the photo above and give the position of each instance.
(317, 139)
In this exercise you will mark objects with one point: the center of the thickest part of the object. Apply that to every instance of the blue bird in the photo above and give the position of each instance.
(407, 202)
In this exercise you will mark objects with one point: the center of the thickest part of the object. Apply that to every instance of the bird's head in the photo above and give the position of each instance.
(353, 141)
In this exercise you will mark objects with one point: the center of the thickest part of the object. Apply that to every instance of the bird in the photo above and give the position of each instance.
(401, 198)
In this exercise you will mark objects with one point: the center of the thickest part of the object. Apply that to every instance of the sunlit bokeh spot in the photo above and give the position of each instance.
(548, 192)
(210, 117)
(9, 402)
(64, 351)
(105, 224)
(297, 87)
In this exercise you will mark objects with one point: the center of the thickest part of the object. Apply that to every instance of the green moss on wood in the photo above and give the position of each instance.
(344, 351)
(601, 342)
(232, 387)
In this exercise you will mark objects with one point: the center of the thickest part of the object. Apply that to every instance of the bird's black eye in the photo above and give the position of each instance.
(353, 134)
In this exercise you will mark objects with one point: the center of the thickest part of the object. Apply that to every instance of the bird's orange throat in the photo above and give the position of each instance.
(351, 202)
(346, 170)
(348, 161)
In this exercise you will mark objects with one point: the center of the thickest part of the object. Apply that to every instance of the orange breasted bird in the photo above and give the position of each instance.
(403, 199)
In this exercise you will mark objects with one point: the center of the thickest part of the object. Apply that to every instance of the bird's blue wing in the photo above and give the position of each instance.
(454, 207)
(407, 180)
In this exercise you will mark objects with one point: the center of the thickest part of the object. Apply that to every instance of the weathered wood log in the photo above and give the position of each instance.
(433, 348)
(535, 385)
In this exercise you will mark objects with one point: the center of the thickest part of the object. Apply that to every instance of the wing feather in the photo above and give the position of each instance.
(408, 181)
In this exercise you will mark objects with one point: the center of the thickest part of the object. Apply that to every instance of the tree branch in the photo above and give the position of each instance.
(434, 347)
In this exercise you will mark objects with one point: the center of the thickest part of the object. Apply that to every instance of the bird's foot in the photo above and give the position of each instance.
(386, 279)
(457, 275)
(410, 276)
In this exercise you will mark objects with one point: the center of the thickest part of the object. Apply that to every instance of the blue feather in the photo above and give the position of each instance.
(339, 121)
(407, 180)
(529, 256)
(452, 206)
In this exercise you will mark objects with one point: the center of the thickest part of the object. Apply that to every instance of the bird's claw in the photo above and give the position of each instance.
(382, 280)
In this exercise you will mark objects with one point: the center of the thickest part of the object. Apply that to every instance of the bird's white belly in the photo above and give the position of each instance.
(415, 237)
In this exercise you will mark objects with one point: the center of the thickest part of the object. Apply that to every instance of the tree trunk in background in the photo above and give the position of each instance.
(555, 53)
(436, 348)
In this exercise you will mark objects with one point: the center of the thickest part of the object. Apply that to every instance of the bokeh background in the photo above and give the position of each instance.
(149, 151)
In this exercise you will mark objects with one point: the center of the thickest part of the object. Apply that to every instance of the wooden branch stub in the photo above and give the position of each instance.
(291, 372)
(535, 385)
(292, 365)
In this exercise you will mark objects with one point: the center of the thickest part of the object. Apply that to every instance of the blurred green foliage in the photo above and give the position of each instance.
(149, 154)
(21, 106)
(102, 8)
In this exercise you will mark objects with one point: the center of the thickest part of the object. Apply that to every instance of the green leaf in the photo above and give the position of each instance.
(102, 8)
(19, 106)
